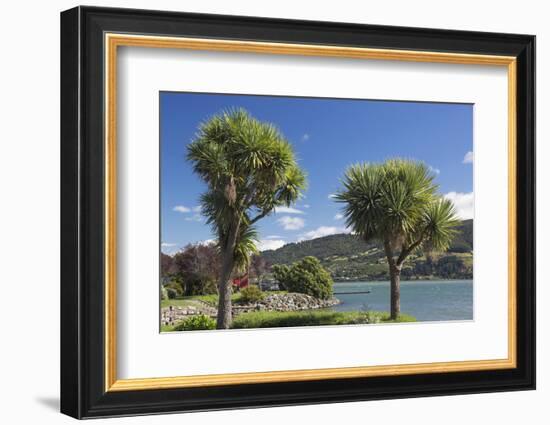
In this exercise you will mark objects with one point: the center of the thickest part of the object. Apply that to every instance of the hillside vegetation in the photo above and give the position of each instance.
(349, 258)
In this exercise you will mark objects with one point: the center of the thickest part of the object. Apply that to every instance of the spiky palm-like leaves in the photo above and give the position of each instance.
(246, 247)
(397, 203)
(249, 169)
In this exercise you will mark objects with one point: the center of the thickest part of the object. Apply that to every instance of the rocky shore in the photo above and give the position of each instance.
(173, 314)
(285, 302)
(272, 302)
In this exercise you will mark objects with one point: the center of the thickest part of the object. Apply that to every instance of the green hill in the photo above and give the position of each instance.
(350, 258)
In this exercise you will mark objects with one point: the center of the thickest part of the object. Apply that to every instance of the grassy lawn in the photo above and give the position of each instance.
(278, 319)
(179, 302)
(209, 299)
(167, 328)
(271, 319)
(192, 300)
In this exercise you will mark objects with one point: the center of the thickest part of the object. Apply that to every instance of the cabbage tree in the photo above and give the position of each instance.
(397, 203)
(249, 169)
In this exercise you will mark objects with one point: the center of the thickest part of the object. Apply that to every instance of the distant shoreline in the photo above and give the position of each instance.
(427, 279)
(436, 279)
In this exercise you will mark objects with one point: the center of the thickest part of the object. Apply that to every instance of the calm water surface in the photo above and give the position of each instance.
(427, 300)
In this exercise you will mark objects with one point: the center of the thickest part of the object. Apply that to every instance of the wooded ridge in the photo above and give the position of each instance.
(348, 257)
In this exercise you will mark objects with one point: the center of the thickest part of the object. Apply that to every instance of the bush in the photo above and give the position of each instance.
(163, 293)
(176, 286)
(171, 293)
(251, 294)
(306, 277)
(200, 285)
(197, 267)
(280, 273)
(199, 322)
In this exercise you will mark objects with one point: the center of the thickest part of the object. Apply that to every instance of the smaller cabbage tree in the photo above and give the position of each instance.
(397, 203)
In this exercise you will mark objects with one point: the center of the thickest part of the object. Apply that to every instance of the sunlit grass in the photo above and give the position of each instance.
(273, 319)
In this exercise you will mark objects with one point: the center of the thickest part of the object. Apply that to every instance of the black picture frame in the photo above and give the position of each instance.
(83, 392)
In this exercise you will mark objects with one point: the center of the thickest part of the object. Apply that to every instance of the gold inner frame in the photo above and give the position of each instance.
(113, 41)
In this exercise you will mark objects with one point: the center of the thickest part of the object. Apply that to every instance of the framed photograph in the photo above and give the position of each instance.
(261, 212)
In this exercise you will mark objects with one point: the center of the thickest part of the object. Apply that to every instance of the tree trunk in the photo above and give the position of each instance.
(395, 278)
(395, 294)
(224, 317)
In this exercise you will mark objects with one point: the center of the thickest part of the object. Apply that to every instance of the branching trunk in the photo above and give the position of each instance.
(224, 317)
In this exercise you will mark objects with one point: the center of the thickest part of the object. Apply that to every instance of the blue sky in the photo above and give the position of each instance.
(327, 135)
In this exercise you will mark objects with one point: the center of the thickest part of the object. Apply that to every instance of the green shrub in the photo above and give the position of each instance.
(163, 293)
(251, 294)
(176, 286)
(371, 317)
(280, 273)
(306, 277)
(200, 322)
(171, 293)
(200, 285)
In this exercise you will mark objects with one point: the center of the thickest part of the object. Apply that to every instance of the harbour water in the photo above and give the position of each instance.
(427, 300)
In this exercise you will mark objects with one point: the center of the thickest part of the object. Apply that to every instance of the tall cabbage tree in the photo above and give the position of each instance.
(397, 203)
(249, 168)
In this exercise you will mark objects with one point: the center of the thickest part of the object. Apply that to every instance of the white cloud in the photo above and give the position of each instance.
(468, 158)
(339, 216)
(323, 231)
(267, 244)
(332, 195)
(194, 217)
(207, 242)
(305, 137)
(434, 170)
(274, 237)
(287, 210)
(291, 223)
(181, 209)
(169, 248)
(463, 202)
(306, 205)
(184, 209)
